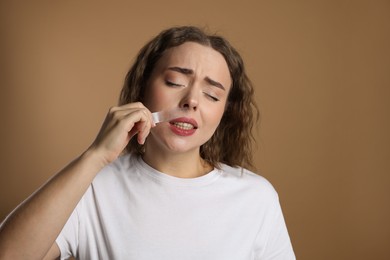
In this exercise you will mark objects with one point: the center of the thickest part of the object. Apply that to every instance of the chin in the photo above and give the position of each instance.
(181, 148)
(171, 143)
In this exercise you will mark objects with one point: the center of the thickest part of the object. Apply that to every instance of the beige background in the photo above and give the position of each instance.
(322, 76)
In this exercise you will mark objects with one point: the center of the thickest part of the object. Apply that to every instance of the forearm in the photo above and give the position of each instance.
(31, 229)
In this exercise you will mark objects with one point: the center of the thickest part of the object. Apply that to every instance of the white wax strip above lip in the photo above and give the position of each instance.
(162, 116)
(158, 117)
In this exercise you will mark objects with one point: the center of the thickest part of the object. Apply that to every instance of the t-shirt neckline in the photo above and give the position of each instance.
(203, 180)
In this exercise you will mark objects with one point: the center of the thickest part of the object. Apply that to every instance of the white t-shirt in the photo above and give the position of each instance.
(132, 211)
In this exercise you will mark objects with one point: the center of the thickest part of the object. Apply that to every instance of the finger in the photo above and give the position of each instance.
(144, 133)
(135, 118)
(138, 122)
(135, 105)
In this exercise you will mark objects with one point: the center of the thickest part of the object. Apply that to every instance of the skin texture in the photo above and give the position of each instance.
(194, 80)
(29, 232)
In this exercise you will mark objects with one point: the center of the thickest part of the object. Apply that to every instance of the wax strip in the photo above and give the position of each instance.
(163, 116)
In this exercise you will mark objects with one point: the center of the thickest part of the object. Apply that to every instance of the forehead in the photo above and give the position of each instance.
(203, 60)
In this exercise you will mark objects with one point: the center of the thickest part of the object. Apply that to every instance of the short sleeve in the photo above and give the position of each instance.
(273, 241)
(67, 240)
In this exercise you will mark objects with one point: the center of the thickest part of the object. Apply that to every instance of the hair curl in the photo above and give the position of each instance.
(232, 141)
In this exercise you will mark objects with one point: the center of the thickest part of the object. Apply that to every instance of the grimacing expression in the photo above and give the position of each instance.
(195, 80)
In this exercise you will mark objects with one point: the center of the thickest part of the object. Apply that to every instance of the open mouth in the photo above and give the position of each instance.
(183, 125)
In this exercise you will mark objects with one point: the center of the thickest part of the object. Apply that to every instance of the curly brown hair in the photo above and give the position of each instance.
(232, 141)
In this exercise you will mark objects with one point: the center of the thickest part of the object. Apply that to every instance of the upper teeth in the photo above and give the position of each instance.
(183, 125)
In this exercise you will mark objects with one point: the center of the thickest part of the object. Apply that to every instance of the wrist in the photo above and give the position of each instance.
(94, 158)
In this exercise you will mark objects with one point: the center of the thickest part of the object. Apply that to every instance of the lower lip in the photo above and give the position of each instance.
(182, 132)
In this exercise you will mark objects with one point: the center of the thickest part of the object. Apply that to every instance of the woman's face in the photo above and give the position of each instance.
(194, 81)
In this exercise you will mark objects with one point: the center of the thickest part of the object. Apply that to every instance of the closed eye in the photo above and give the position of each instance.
(173, 84)
(212, 97)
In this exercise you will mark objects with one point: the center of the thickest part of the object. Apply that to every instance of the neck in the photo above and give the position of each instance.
(181, 165)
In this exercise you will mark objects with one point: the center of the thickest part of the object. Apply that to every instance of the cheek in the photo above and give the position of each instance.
(155, 98)
(215, 117)
(158, 95)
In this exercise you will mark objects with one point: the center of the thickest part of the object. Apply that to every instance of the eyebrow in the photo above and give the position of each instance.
(182, 70)
(215, 83)
(186, 71)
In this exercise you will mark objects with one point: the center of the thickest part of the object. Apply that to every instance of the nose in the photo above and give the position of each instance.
(190, 100)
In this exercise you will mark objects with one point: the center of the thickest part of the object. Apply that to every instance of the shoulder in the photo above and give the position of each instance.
(245, 175)
(249, 181)
(123, 162)
(121, 168)
(113, 180)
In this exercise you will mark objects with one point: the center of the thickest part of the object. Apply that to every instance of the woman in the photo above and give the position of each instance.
(180, 191)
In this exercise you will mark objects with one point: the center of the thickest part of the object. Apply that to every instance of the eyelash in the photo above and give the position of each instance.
(211, 97)
(172, 84)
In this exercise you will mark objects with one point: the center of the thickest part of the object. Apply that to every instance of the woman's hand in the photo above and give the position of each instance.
(120, 125)
(44, 214)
